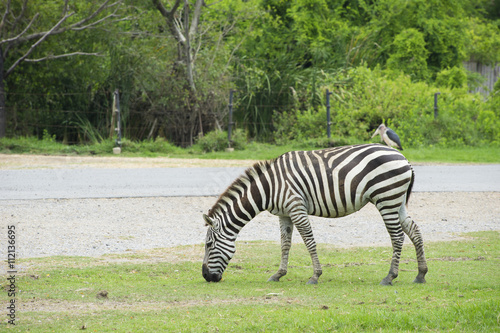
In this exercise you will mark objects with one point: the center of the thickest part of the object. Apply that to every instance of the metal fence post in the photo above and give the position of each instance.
(118, 119)
(328, 122)
(436, 104)
(230, 122)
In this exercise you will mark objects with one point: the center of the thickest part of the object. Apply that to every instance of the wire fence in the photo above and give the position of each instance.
(69, 125)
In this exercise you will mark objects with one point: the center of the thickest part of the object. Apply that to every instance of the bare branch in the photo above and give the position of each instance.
(94, 14)
(7, 11)
(22, 32)
(20, 17)
(196, 17)
(76, 25)
(213, 3)
(80, 25)
(170, 18)
(95, 23)
(32, 48)
(65, 7)
(164, 11)
(51, 57)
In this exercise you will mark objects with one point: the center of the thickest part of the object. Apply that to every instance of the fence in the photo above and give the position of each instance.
(490, 73)
(100, 121)
(39, 120)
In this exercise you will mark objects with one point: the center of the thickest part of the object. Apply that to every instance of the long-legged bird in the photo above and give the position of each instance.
(389, 136)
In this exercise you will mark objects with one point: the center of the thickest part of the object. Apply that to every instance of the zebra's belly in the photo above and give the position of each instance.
(335, 209)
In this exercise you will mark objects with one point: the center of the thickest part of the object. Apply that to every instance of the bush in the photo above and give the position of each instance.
(159, 145)
(218, 141)
(376, 96)
(455, 77)
(410, 54)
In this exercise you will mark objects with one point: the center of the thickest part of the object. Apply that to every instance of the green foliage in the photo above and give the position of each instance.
(218, 141)
(410, 54)
(455, 77)
(47, 137)
(159, 146)
(383, 60)
(377, 96)
(299, 125)
(484, 41)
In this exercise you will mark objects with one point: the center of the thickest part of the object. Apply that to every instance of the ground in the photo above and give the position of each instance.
(93, 227)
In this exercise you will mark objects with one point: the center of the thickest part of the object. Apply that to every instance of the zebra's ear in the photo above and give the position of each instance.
(208, 220)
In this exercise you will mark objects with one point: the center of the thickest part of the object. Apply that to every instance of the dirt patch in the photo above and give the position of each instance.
(16, 162)
(80, 308)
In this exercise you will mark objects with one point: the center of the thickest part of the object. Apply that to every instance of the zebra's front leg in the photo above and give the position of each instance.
(304, 227)
(286, 230)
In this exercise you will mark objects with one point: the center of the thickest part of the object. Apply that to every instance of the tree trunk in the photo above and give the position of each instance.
(188, 59)
(3, 111)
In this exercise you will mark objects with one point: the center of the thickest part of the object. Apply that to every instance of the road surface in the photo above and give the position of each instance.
(175, 182)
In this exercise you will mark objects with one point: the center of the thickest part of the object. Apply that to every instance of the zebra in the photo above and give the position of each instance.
(333, 182)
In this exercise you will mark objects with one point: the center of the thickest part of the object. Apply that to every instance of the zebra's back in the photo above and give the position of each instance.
(338, 181)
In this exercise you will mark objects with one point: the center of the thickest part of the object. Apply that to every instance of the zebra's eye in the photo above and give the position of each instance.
(209, 244)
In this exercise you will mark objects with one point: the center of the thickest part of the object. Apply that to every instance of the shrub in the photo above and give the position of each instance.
(299, 126)
(410, 54)
(455, 77)
(159, 145)
(218, 141)
(377, 96)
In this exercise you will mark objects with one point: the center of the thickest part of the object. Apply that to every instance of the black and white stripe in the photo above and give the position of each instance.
(332, 182)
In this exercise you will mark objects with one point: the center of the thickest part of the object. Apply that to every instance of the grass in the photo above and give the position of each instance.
(163, 290)
(253, 151)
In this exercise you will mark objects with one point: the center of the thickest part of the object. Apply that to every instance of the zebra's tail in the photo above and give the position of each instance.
(408, 192)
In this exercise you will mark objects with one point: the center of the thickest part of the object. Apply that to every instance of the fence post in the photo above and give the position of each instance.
(328, 122)
(436, 104)
(230, 122)
(118, 118)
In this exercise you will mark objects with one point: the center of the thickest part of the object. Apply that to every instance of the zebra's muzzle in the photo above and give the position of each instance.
(210, 277)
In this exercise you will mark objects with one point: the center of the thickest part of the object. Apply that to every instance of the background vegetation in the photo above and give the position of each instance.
(383, 61)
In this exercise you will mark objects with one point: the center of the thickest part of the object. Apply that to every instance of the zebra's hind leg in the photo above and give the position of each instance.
(301, 222)
(391, 220)
(286, 230)
(412, 230)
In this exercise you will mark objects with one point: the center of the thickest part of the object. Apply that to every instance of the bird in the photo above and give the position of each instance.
(389, 136)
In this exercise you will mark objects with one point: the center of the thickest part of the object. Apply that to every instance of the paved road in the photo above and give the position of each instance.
(167, 182)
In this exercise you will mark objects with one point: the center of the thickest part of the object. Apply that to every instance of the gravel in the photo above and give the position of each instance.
(93, 227)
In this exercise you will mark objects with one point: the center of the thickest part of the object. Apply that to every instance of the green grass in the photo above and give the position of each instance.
(163, 290)
(253, 151)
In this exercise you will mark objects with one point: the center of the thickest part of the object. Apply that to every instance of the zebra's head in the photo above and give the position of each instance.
(219, 249)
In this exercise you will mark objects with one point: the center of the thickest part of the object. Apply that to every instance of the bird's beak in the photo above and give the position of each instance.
(376, 132)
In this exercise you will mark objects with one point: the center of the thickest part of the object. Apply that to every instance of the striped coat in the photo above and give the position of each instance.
(333, 183)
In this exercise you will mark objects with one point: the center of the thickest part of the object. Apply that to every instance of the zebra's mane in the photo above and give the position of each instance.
(242, 181)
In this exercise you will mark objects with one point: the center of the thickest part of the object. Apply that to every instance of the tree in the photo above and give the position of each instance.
(23, 28)
(195, 92)
(183, 30)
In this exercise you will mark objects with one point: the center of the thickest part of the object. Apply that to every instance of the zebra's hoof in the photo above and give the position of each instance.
(419, 280)
(386, 283)
(312, 281)
(273, 279)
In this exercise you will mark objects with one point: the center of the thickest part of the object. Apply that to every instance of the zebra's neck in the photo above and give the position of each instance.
(243, 199)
